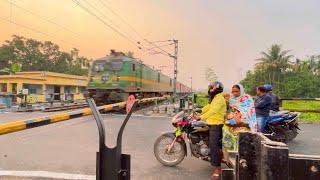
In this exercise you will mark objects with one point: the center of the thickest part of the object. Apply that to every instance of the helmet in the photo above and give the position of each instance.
(216, 85)
(268, 87)
(214, 89)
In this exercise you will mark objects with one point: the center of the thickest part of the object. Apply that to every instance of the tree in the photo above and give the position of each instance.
(13, 70)
(298, 78)
(34, 55)
(272, 63)
(210, 75)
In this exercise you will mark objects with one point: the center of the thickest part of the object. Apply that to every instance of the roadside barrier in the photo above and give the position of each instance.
(41, 121)
(260, 158)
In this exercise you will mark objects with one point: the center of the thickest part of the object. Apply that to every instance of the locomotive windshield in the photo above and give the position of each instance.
(98, 66)
(105, 65)
(115, 64)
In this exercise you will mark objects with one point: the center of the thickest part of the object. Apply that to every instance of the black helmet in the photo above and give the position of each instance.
(214, 89)
(216, 85)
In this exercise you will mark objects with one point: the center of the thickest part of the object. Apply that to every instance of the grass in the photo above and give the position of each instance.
(304, 105)
(202, 100)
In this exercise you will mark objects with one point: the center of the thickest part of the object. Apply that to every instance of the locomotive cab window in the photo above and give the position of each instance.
(133, 67)
(115, 64)
(98, 66)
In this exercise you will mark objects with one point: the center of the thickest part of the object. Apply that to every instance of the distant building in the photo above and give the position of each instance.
(44, 86)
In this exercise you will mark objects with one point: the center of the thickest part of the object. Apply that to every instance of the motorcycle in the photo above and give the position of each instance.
(283, 126)
(171, 148)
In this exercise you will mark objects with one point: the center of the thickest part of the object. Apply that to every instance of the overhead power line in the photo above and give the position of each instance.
(149, 49)
(41, 17)
(121, 18)
(105, 23)
(35, 30)
(72, 45)
(109, 19)
(158, 47)
(162, 41)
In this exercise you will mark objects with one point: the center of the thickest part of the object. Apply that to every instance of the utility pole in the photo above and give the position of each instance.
(175, 71)
(175, 58)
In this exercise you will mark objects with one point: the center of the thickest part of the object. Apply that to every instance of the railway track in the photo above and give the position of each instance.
(65, 107)
(83, 105)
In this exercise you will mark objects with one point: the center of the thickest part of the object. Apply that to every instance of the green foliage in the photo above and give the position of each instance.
(304, 105)
(26, 54)
(202, 99)
(14, 69)
(289, 78)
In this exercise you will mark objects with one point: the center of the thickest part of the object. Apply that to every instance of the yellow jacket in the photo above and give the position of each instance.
(215, 112)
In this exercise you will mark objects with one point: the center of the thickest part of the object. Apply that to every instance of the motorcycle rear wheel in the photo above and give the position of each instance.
(172, 158)
(291, 134)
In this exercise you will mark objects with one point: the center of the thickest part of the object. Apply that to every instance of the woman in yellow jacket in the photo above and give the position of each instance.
(214, 114)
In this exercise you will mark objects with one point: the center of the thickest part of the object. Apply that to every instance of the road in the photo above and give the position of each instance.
(70, 147)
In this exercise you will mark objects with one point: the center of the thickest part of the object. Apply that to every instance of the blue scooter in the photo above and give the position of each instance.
(283, 126)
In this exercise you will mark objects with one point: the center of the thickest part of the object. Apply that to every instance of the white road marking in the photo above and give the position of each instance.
(46, 174)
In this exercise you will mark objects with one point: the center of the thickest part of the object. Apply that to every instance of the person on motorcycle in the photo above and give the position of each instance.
(241, 117)
(275, 100)
(262, 105)
(214, 114)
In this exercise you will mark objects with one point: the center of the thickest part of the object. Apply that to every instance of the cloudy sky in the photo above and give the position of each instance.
(227, 35)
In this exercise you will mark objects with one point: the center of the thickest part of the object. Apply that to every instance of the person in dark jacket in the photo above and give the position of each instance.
(275, 100)
(262, 105)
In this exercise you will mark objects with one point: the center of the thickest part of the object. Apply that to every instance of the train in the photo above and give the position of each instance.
(116, 76)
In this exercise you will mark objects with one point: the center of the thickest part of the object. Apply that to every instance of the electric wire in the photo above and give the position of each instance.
(105, 23)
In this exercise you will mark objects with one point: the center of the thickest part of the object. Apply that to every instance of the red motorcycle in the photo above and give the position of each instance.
(171, 148)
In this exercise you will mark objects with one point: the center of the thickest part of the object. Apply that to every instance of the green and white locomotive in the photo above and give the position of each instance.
(114, 77)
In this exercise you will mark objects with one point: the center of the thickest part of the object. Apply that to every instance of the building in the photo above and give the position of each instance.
(44, 86)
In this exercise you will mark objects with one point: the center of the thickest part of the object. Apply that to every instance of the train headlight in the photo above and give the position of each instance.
(105, 77)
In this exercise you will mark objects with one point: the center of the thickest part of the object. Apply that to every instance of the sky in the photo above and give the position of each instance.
(227, 35)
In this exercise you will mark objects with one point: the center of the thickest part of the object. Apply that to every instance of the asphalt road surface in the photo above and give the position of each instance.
(70, 147)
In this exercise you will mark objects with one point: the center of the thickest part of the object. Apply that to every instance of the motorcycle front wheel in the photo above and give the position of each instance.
(172, 158)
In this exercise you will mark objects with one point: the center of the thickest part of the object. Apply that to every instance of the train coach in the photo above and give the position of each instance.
(114, 77)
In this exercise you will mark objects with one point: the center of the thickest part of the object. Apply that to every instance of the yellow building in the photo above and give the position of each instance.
(44, 86)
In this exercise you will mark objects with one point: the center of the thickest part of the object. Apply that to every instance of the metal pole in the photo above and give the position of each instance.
(175, 72)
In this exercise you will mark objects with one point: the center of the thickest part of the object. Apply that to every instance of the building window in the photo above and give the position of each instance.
(133, 67)
(32, 88)
(158, 77)
(3, 87)
(82, 89)
(170, 82)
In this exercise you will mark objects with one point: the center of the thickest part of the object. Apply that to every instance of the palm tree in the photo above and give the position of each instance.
(273, 62)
